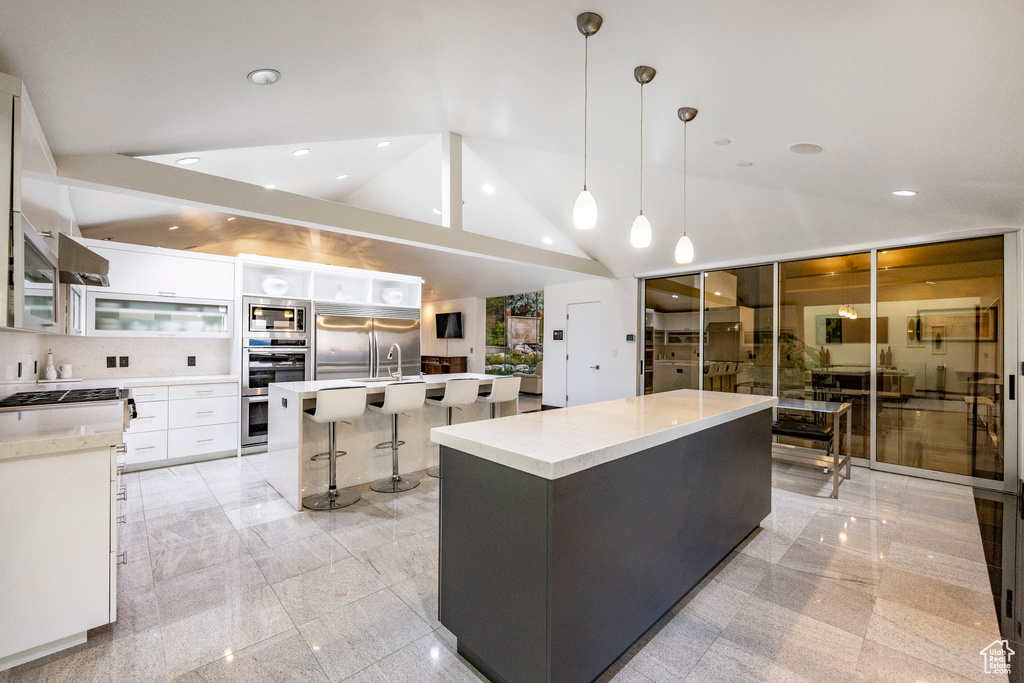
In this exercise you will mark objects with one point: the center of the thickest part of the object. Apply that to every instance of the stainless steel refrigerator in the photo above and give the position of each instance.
(351, 347)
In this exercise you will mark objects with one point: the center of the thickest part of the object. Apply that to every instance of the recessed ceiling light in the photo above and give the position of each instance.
(905, 193)
(548, 240)
(384, 143)
(929, 282)
(706, 274)
(721, 141)
(264, 76)
(231, 218)
(806, 148)
(300, 152)
(675, 296)
(744, 164)
(885, 252)
(718, 294)
(436, 210)
(342, 176)
(270, 186)
(185, 161)
(107, 239)
(488, 188)
(173, 227)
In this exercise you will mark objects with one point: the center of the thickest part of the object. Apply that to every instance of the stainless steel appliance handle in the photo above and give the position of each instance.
(376, 354)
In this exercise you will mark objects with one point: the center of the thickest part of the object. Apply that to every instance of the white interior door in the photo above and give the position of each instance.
(583, 353)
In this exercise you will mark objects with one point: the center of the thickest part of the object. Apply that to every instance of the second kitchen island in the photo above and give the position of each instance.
(293, 438)
(566, 534)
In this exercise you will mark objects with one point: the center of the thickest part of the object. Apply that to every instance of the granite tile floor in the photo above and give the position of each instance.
(226, 582)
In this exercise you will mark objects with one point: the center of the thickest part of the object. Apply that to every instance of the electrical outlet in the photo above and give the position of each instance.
(111, 361)
(124, 361)
(191, 361)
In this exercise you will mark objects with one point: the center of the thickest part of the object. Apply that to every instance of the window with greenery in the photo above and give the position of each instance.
(515, 333)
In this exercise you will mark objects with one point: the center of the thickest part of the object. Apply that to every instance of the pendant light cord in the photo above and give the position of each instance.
(641, 149)
(684, 178)
(586, 97)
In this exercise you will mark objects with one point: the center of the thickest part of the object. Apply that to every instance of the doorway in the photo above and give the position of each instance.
(583, 353)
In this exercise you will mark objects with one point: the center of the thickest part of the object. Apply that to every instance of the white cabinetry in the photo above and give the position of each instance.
(167, 273)
(58, 571)
(183, 421)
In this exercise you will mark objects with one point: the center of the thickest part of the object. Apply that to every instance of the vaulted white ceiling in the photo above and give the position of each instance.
(901, 94)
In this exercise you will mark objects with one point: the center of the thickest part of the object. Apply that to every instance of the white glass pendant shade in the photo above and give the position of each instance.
(684, 250)
(584, 212)
(640, 233)
(853, 313)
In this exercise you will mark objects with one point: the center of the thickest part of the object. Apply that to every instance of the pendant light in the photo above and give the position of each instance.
(640, 233)
(584, 211)
(684, 247)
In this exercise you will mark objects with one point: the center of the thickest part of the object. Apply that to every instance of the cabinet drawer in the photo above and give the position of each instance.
(146, 447)
(200, 440)
(203, 390)
(147, 394)
(195, 412)
(152, 417)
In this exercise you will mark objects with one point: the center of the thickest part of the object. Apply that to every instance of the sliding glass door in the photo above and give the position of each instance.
(941, 384)
(825, 336)
(922, 340)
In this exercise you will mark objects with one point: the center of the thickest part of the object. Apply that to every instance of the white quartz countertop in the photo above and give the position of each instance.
(309, 389)
(49, 431)
(556, 443)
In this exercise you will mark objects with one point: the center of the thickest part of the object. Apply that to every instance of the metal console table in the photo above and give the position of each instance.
(832, 459)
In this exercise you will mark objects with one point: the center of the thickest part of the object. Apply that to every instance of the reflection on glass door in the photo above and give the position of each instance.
(672, 334)
(825, 336)
(940, 373)
(738, 330)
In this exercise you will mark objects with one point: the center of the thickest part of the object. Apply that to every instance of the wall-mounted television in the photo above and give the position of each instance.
(448, 325)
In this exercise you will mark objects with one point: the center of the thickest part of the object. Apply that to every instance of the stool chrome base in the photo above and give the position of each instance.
(434, 472)
(331, 500)
(395, 484)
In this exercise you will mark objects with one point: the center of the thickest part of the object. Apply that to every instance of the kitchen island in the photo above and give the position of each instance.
(566, 534)
(293, 438)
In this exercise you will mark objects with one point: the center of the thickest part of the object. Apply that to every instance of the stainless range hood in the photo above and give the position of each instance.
(80, 265)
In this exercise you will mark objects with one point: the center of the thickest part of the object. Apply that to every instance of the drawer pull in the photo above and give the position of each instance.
(203, 440)
(121, 519)
(145, 395)
(122, 448)
(122, 557)
(122, 493)
(120, 469)
(146, 417)
(205, 391)
(145, 448)
(205, 412)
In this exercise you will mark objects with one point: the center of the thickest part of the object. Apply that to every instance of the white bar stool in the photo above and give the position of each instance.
(457, 392)
(399, 397)
(504, 388)
(334, 406)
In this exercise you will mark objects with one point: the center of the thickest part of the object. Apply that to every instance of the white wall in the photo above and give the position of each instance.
(618, 299)
(474, 323)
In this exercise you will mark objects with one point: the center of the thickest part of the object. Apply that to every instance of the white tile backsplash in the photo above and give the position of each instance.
(88, 355)
(17, 347)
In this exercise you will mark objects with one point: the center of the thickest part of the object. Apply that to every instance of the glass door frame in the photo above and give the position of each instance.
(1011, 327)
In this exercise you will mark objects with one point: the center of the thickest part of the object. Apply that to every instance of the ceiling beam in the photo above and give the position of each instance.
(135, 177)
(451, 180)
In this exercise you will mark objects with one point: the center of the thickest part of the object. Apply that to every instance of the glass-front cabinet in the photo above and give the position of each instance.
(123, 315)
(34, 280)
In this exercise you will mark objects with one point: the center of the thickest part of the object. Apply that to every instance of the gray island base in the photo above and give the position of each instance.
(553, 579)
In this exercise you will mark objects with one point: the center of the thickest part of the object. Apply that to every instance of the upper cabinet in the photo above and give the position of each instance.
(30, 203)
(285, 279)
(168, 273)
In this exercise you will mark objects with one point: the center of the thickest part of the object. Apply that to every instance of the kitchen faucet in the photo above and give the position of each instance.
(391, 353)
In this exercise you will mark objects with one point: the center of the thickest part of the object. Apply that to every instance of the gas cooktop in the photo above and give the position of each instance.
(30, 399)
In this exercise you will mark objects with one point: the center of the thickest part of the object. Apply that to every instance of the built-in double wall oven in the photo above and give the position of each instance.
(275, 348)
